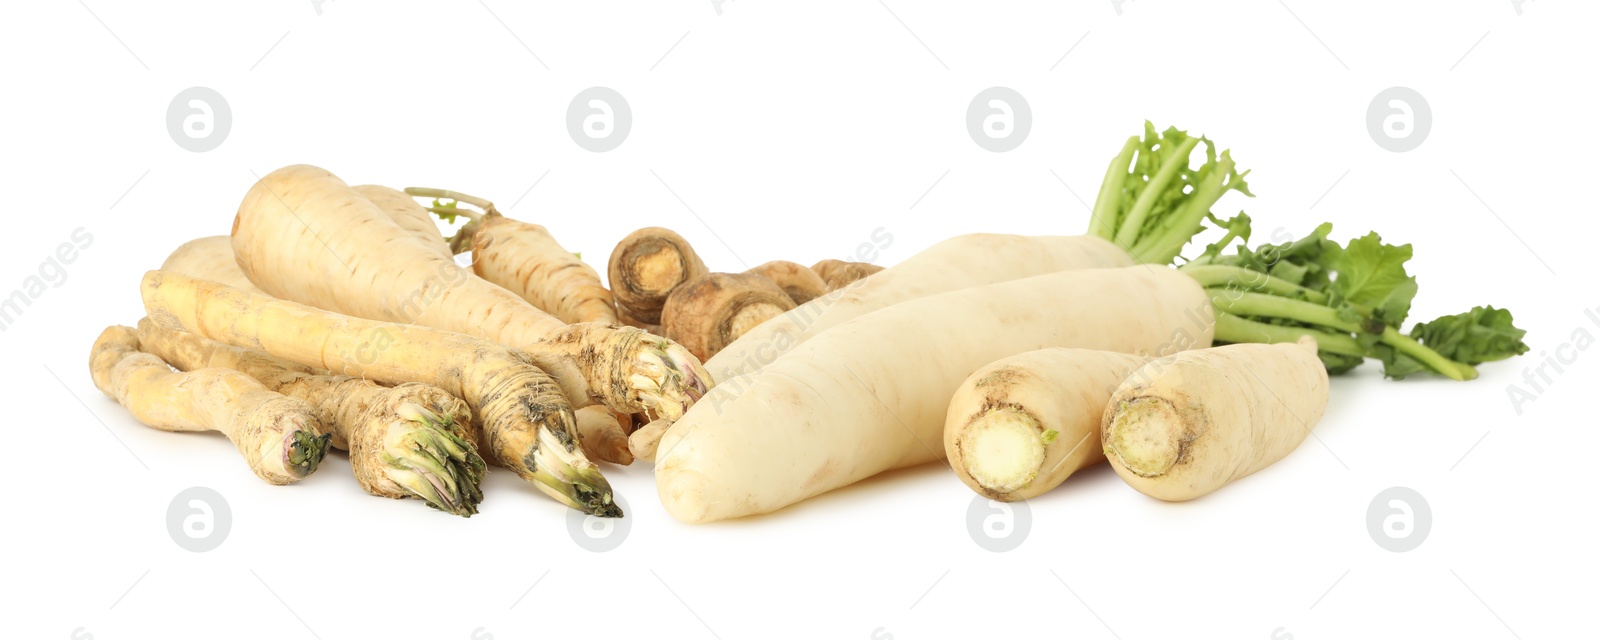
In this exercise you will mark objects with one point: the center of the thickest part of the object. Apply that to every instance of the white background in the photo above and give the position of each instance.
(792, 130)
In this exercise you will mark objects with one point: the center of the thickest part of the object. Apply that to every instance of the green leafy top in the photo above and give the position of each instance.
(1353, 299)
(1152, 202)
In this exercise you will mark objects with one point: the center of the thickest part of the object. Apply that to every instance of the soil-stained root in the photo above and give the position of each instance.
(707, 313)
(528, 426)
(797, 280)
(279, 436)
(838, 273)
(646, 266)
(408, 441)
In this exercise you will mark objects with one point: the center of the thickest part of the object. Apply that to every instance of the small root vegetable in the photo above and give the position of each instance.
(409, 441)
(872, 394)
(798, 281)
(303, 235)
(525, 259)
(706, 314)
(528, 426)
(278, 436)
(1021, 425)
(211, 259)
(646, 266)
(837, 274)
(602, 435)
(1184, 426)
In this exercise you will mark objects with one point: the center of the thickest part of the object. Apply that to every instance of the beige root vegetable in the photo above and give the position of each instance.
(954, 264)
(525, 259)
(1186, 425)
(410, 441)
(797, 280)
(871, 395)
(278, 435)
(1020, 425)
(527, 424)
(707, 313)
(601, 432)
(407, 214)
(303, 235)
(644, 269)
(602, 436)
(211, 259)
(838, 273)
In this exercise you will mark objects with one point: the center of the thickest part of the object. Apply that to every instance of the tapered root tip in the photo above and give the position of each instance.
(1002, 450)
(592, 493)
(1146, 436)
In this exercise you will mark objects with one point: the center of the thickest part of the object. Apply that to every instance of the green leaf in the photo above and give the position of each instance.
(449, 218)
(1235, 228)
(1373, 275)
(1484, 334)
(1158, 202)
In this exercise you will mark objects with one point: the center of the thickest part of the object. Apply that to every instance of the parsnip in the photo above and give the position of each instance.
(409, 441)
(527, 424)
(303, 235)
(644, 269)
(278, 436)
(798, 281)
(707, 313)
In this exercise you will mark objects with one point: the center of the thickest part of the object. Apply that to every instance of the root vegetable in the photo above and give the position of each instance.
(1151, 203)
(209, 259)
(602, 435)
(303, 235)
(707, 313)
(837, 273)
(407, 214)
(871, 395)
(1021, 425)
(646, 266)
(525, 259)
(412, 440)
(798, 281)
(278, 436)
(527, 424)
(1186, 425)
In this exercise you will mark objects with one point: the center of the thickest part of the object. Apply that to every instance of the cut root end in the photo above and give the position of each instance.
(1146, 436)
(1003, 450)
